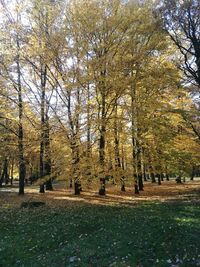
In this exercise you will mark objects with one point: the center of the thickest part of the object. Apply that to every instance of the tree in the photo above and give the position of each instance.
(13, 67)
(43, 21)
(182, 22)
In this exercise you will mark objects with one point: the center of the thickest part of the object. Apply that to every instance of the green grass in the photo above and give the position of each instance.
(146, 235)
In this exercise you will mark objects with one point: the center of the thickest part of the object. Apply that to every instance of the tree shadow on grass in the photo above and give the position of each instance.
(150, 234)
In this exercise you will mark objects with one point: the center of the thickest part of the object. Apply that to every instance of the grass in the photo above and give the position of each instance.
(147, 234)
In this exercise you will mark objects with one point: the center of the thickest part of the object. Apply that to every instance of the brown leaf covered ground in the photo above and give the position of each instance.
(61, 196)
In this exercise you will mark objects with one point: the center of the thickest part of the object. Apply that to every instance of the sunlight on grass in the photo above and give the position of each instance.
(69, 198)
(188, 220)
(90, 201)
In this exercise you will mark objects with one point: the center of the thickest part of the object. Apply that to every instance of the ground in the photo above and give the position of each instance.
(160, 227)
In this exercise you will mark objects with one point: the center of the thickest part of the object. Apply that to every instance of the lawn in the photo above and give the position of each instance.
(148, 234)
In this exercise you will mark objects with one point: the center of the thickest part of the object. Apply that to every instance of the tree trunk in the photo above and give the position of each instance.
(22, 166)
(118, 166)
(136, 186)
(140, 182)
(123, 160)
(77, 187)
(192, 173)
(11, 171)
(144, 173)
(89, 156)
(162, 176)
(49, 186)
(75, 165)
(4, 174)
(102, 190)
(7, 174)
(1, 171)
(42, 189)
(123, 183)
(139, 171)
(134, 137)
(152, 174)
(159, 179)
(42, 135)
(143, 165)
(153, 177)
(102, 130)
(47, 165)
(123, 168)
(166, 173)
